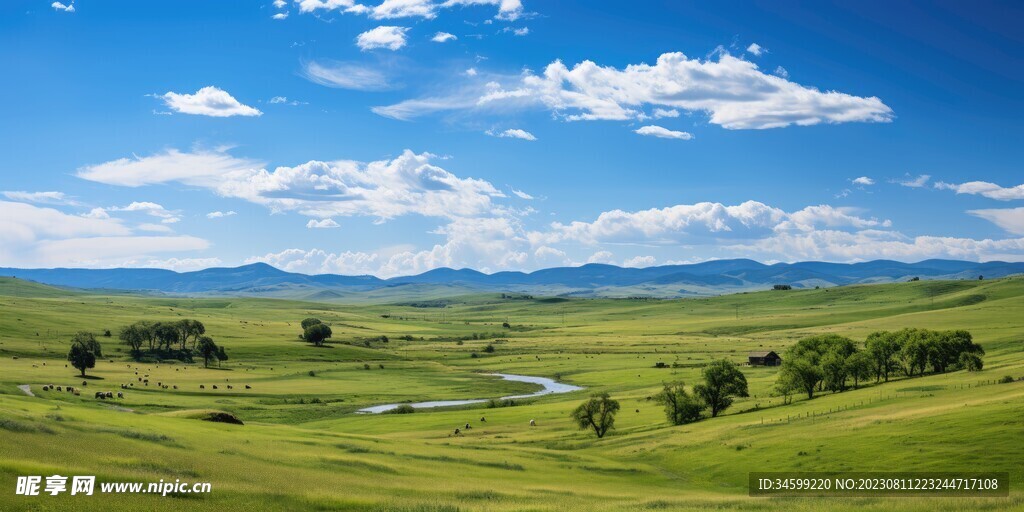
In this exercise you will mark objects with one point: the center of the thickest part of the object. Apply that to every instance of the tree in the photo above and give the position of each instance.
(166, 335)
(188, 328)
(222, 355)
(134, 336)
(722, 381)
(785, 385)
(680, 406)
(597, 413)
(84, 350)
(208, 349)
(882, 347)
(317, 333)
(310, 321)
(859, 366)
(801, 373)
(971, 362)
(913, 354)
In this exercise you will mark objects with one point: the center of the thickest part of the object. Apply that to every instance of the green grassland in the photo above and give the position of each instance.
(303, 447)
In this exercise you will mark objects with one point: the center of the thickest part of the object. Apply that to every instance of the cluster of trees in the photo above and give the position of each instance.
(182, 336)
(84, 351)
(162, 336)
(314, 331)
(723, 380)
(830, 362)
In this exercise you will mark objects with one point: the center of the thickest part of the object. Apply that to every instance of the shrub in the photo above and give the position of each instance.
(1006, 379)
(402, 409)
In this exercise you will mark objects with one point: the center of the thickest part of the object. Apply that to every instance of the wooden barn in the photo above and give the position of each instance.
(764, 358)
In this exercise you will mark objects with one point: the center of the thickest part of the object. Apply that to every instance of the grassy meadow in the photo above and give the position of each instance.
(303, 447)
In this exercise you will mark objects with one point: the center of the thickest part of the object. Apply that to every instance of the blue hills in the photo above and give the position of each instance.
(710, 277)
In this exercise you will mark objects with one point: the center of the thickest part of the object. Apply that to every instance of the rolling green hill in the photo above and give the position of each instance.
(303, 446)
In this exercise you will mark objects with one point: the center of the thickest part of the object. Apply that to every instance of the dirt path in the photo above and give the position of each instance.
(26, 389)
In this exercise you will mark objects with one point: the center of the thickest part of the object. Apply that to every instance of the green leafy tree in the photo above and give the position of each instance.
(166, 334)
(309, 322)
(722, 381)
(913, 356)
(882, 347)
(84, 351)
(597, 413)
(222, 354)
(680, 407)
(134, 335)
(801, 373)
(317, 334)
(187, 329)
(971, 362)
(859, 367)
(208, 349)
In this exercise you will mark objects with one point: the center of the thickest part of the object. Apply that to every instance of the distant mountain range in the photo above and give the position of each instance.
(592, 280)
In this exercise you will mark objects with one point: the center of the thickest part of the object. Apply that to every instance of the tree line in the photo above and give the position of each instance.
(830, 362)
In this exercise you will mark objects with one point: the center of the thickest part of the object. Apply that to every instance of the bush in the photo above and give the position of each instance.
(312, 373)
(1006, 379)
(489, 348)
(402, 409)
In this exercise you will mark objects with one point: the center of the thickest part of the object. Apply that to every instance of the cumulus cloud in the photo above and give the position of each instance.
(280, 16)
(863, 180)
(208, 101)
(58, 6)
(443, 37)
(33, 236)
(733, 92)
(640, 262)
(220, 214)
(662, 112)
(179, 264)
(387, 37)
(756, 49)
(322, 224)
(1009, 219)
(345, 75)
(510, 10)
(151, 209)
(984, 188)
(512, 133)
(662, 132)
(913, 182)
(407, 184)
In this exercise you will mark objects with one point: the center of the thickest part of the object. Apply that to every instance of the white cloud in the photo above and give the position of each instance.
(913, 182)
(151, 209)
(57, 6)
(280, 16)
(181, 264)
(517, 31)
(443, 37)
(343, 75)
(220, 214)
(510, 10)
(640, 262)
(661, 132)
(208, 101)
(387, 37)
(986, 189)
(863, 180)
(157, 228)
(1010, 219)
(512, 133)
(280, 4)
(756, 50)
(389, 9)
(97, 213)
(322, 224)
(33, 236)
(733, 92)
(39, 197)
(317, 261)
(471, 72)
(522, 195)
(781, 72)
(661, 112)
(407, 184)
(605, 257)
(199, 168)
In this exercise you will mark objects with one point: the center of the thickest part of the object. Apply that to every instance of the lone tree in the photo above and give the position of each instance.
(680, 407)
(317, 333)
(597, 413)
(84, 350)
(722, 381)
(310, 321)
(208, 349)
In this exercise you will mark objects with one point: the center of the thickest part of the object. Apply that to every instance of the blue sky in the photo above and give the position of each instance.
(393, 137)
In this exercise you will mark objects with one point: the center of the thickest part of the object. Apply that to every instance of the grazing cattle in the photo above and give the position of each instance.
(483, 420)
(140, 379)
(202, 386)
(100, 394)
(468, 427)
(533, 423)
(131, 384)
(110, 394)
(85, 383)
(214, 386)
(59, 388)
(175, 386)
(457, 431)
(229, 386)
(248, 386)
(120, 394)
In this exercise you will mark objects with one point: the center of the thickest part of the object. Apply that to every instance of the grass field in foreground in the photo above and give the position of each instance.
(302, 446)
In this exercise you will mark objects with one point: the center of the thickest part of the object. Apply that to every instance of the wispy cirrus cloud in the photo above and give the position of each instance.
(345, 75)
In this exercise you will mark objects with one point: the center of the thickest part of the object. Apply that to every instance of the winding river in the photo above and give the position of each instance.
(550, 387)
